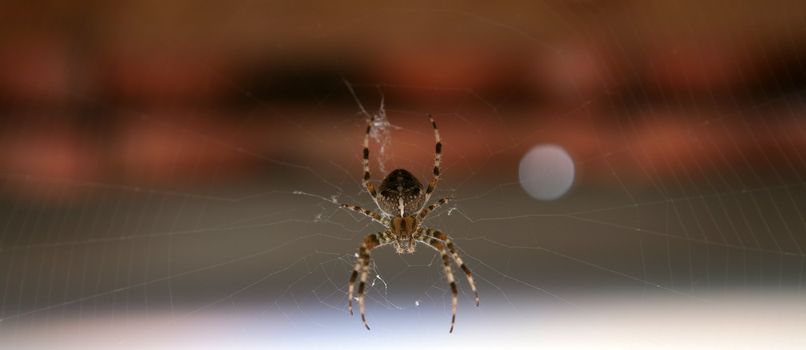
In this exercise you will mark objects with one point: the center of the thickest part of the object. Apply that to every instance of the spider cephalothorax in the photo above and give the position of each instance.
(402, 199)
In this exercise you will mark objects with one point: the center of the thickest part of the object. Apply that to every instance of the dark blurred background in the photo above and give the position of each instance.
(166, 166)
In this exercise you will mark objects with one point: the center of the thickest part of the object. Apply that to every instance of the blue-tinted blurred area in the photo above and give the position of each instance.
(167, 172)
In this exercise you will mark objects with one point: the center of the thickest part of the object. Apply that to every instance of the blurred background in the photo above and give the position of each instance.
(625, 174)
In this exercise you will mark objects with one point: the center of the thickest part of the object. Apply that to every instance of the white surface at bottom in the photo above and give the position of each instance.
(757, 321)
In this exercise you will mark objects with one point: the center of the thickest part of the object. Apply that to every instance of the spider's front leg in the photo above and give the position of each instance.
(362, 264)
(444, 245)
(456, 259)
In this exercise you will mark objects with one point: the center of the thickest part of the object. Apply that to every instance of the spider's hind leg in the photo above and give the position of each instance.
(437, 160)
(365, 162)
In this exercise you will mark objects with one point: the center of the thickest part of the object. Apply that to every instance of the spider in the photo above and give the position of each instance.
(402, 201)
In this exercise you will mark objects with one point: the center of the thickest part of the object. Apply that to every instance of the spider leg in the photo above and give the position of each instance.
(437, 160)
(365, 162)
(362, 264)
(439, 235)
(424, 212)
(369, 213)
(446, 268)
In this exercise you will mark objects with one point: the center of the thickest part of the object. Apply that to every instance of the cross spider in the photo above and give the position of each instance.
(402, 199)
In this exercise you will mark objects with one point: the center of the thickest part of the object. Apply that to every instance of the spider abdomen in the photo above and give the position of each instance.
(401, 194)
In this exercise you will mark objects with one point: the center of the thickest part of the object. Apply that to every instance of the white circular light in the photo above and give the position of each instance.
(546, 172)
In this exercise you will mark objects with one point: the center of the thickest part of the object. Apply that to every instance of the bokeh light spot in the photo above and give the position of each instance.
(546, 172)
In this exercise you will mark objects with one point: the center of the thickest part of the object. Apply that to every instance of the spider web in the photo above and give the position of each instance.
(683, 228)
